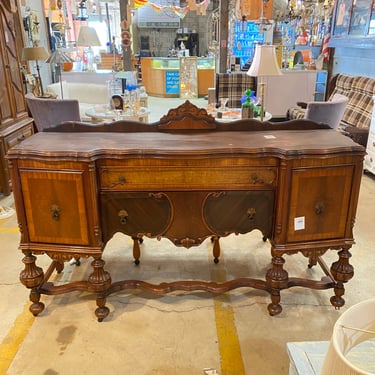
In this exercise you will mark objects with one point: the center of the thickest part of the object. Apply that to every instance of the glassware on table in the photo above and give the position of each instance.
(131, 82)
(223, 103)
(118, 113)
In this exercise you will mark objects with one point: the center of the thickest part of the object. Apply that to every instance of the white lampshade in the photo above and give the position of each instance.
(87, 37)
(355, 326)
(264, 63)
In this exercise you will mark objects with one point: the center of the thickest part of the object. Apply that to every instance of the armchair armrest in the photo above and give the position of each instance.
(358, 135)
(302, 105)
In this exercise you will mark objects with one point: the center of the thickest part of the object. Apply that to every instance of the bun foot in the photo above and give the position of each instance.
(101, 313)
(274, 309)
(337, 302)
(36, 308)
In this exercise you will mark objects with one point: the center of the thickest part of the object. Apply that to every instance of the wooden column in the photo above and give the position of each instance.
(126, 51)
(223, 39)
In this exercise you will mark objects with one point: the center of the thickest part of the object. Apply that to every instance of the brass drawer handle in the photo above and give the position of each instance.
(251, 213)
(256, 179)
(123, 215)
(120, 181)
(55, 212)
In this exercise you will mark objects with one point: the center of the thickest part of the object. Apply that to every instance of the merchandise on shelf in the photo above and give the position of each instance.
(246, 36)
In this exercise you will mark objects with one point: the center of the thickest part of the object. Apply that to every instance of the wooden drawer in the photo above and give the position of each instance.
(135, 214)
(239, 212)
(18, 136)
(182, 178)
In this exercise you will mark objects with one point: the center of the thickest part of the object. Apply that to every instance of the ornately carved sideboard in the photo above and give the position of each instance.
(186, 178)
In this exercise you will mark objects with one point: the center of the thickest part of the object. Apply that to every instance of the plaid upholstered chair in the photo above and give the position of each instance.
(356, 120)
(233, 86)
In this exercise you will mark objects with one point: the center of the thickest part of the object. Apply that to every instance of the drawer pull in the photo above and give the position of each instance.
(21, 138)
(123, 215)
(251, 213)
(319, 208)
(255, 179)
(55, 212)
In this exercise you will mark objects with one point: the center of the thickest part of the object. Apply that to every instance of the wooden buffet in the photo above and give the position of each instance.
(186, 178)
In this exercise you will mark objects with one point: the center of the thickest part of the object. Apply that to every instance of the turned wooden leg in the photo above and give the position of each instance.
(100, 281)
(277, 279)
(313, 260)
(342, 271)
(59, 267)
(216, 248)
(102, 310)
(136, 249)
(32, 277)
(36, 307)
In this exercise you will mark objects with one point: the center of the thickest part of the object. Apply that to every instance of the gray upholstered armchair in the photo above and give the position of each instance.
(330, 112)
(48, 112)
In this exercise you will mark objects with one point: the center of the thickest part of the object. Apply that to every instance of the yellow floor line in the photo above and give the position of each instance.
(9, 230)
(11, 343)
(229, 345)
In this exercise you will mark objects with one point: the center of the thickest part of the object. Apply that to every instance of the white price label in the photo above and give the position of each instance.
(299, 223)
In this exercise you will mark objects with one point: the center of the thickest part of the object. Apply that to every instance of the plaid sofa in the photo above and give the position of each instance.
(233, 86)
(358, 113)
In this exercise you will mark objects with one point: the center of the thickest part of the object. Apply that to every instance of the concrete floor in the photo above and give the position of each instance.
(180, 333)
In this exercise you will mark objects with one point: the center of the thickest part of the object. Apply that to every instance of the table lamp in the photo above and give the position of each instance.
(264, 64)
(345, 356)
(88, 37)
(35, 54)
(59, 57)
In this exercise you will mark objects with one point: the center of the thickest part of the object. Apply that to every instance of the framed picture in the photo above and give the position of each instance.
(360, 17)
(341, 22)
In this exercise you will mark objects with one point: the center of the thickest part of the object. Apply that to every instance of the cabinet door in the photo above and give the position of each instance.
(55, 206)
(319, 203)
(13, 105)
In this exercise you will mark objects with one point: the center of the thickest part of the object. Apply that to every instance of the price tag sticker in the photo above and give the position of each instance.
(299, 223)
